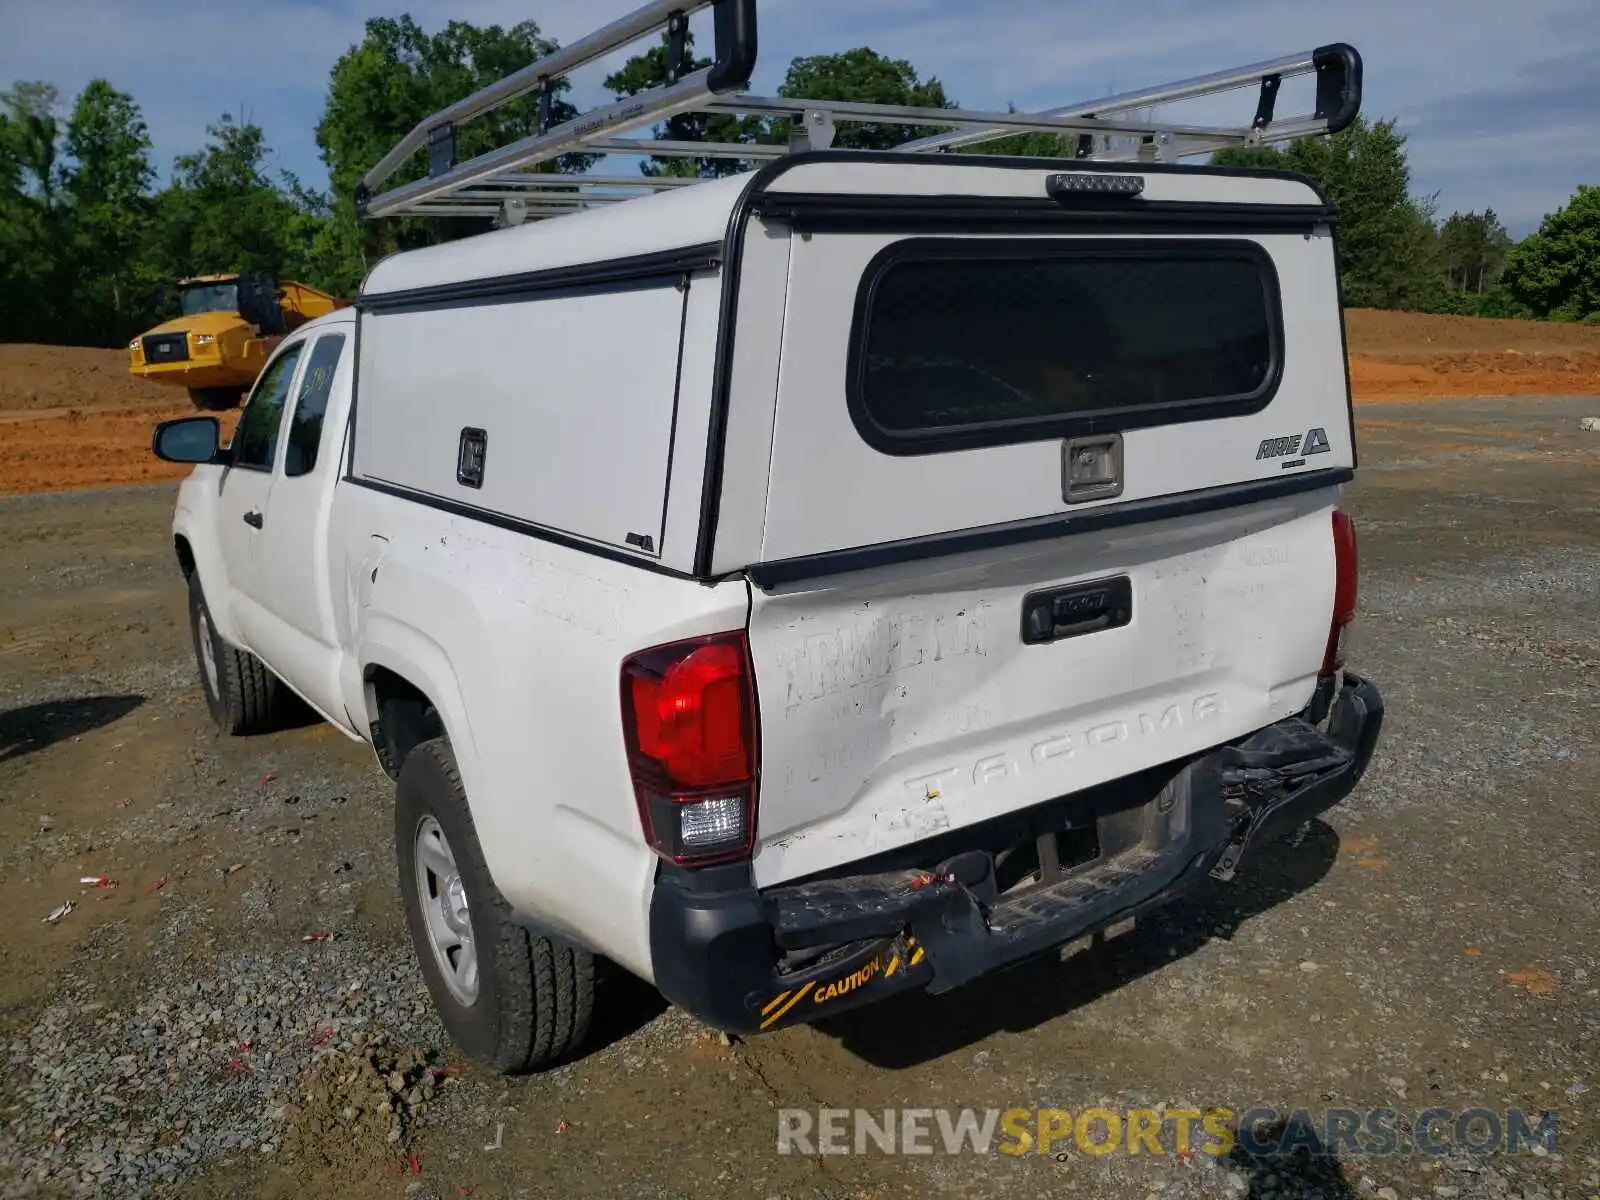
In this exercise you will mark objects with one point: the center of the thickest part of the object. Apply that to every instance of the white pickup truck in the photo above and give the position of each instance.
(852, 576)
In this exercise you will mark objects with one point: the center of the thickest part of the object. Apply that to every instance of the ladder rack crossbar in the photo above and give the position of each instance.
(1215, 83)
(1000, 123)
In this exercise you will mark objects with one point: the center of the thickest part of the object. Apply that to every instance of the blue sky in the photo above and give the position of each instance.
(1501, 101)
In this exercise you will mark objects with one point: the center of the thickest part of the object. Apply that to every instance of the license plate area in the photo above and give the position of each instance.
(1046, 860)
(1057, 613)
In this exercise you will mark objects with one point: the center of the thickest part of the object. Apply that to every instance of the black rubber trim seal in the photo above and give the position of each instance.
(808, 212)
(1125, 417)
(349, 449)
(761, 182)
(658, 269)
(501, 521)
(1112, 516)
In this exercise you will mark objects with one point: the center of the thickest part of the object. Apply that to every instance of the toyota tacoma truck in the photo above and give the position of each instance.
(849, 577)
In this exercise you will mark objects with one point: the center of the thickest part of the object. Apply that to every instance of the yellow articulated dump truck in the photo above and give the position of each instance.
(228, 327)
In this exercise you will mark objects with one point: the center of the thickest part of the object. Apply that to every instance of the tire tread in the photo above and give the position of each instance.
(544, 992)
(250, 699)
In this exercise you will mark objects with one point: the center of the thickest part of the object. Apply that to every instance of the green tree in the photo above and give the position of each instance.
(861, 75)
(388, 83)
(34, 134)
(19, 241)
(1026, 145)
(222, 213)
(649, 70)
(85, 248)
(865, 76)
(110, 148)
(33, 270)
(1384, 235)
(398, 75)
(107, 182)
(1472, 249)
(325, 239)
(10, 160)
(1556, 271)
(1257, 158)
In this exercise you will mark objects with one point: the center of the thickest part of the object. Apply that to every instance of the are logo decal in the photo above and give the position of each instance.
(1277, 447)
(1313, 441)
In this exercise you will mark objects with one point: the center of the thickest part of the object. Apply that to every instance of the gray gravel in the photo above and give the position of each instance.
(200, 1069)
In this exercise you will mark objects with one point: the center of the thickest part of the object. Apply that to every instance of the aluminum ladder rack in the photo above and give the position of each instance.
(519, 181)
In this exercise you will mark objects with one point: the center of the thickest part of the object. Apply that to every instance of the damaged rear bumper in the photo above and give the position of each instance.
(744, 961)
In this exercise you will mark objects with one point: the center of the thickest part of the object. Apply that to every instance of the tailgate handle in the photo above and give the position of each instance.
(1058, 613)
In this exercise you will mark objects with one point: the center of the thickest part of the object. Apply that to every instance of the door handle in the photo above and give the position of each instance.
(253, 518)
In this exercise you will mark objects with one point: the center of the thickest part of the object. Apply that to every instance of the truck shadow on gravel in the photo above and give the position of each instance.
(630, 1005)
(35, 726)
(911, 1029)
(1288, 1159)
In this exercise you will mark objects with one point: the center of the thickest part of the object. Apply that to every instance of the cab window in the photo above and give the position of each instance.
(255, 441)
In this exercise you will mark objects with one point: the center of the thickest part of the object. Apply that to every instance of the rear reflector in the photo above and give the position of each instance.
(1344, 590)
(688, 717)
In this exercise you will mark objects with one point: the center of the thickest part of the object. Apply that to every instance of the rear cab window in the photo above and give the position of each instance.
(964, 343)
(311, 405)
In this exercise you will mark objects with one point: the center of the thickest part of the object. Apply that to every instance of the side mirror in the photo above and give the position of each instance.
(187, 440)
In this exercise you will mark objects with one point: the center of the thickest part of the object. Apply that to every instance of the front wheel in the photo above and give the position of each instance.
(241, 694)
(511, 1000)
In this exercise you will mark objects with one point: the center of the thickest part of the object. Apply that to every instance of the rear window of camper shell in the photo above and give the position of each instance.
(959, 343)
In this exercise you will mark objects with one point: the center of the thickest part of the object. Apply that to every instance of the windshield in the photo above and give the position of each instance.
(210, 297)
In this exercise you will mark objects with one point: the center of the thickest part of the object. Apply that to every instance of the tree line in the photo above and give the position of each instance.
(90, 245)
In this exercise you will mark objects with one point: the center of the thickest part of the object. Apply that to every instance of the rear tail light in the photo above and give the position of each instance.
(689, 722)
(1344, 590)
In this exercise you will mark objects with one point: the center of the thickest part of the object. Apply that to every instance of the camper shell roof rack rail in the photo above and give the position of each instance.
(507, 182)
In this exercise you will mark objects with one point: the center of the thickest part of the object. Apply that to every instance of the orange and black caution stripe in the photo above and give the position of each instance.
(782, 1003)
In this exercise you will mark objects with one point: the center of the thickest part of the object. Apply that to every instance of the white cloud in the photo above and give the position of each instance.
(1471, 82)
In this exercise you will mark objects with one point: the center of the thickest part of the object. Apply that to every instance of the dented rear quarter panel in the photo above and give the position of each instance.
(521, 642)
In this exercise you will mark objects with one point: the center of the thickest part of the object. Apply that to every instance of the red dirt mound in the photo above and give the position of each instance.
(45, 377)
(73, 417)
(1397, 355)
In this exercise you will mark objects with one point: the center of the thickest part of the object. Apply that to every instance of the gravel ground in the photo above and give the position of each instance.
(122, 1096)
(1432, 943)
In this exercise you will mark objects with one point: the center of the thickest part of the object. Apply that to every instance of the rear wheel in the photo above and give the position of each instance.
(511, 1000)
(217, 399)
(243, 696)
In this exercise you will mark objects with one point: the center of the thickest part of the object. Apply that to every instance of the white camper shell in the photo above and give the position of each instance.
(853, 575)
